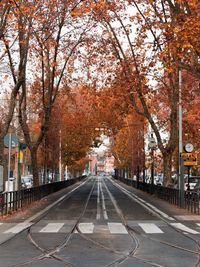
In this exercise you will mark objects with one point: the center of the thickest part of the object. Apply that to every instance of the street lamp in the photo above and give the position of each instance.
(152, 145)
(181, 164)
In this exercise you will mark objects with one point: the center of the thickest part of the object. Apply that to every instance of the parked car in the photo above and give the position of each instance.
(159, 179)
(192, 183)
(12, 179)
(197, 188)
(26, 182)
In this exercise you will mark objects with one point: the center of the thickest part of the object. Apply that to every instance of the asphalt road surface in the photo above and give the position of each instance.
(99, 222)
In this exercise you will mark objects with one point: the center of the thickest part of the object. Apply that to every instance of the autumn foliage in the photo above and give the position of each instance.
(80, 69)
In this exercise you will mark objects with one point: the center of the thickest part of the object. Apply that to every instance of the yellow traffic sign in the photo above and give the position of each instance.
(190, 159)
(20, 155)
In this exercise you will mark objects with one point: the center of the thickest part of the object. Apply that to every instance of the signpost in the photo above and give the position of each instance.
(10, 141)
(152, 146)
(189, 159)
(1, 178)
(21, 146)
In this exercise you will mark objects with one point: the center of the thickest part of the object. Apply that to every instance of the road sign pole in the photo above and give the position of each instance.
(181, 163)
(18, 167)
(182, 191)
(9, 154)
(188, 167)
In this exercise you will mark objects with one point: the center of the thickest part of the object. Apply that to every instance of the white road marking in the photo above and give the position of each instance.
(52, 228)
(1, 224)
(18, 228)
(150, 228)
(188, 217)
(53, 204)
(198, 224)
(117, 228)
(105, 215)
(113, 201)
(143, 203)
(184, 228)
(86, 228)
(98, 216)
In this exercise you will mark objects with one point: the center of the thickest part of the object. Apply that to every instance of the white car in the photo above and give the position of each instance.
(26, 182)
(193, 180)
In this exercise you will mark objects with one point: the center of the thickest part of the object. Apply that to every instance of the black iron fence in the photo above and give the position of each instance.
(171, 195)
(12, 201)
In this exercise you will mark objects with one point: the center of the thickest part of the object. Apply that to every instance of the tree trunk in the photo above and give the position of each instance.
(34, 167)
(3, 162)
(63, 172)
(167, 166)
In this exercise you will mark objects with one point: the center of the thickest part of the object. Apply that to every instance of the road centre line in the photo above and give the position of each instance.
(98, 216)
(114, 203)
(143, 203)
(105, 215)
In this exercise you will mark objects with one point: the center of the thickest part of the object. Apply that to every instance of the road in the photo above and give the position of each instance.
(99, 222)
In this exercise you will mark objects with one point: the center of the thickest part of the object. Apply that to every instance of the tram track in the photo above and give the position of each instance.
(197, 242)
(50, 253)
(123, 256)
(132, 250)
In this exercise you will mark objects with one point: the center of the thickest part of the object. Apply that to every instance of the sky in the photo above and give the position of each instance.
(102, 147)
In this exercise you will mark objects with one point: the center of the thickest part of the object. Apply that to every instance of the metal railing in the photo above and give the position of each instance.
(12, 201)
(171, 195)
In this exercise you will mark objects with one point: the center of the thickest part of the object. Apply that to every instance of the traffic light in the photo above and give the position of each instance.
(22, 146)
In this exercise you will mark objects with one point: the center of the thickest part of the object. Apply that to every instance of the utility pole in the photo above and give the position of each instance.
(9, 154)
(181, 165)
(18, 157)
(60, 158)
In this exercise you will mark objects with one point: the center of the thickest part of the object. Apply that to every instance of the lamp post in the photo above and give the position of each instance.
(60, 158)
(181, 164)
(152, 145)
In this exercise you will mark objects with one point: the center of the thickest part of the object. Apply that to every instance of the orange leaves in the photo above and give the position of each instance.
(76, 14)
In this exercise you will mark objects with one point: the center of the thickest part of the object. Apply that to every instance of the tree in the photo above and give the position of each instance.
(14, 43)
(55, 40)
(143, 61)
(78, 123)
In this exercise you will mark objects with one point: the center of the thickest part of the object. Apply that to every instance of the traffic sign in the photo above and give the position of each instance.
(190, 159)
(152, 142)
(22, 146)
(10, 137)
(20, 155)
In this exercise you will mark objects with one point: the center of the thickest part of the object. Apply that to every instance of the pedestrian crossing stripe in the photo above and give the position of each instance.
(86, 228)
(90, 228)
(117, 228)
(150, 228)
(52, 228)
